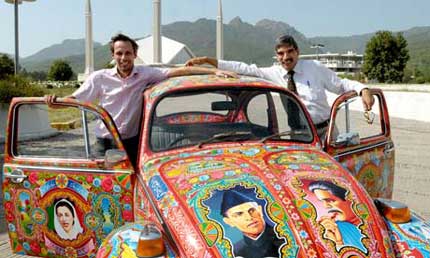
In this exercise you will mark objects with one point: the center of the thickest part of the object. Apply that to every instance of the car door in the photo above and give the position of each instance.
(63, 195)
(361, 141)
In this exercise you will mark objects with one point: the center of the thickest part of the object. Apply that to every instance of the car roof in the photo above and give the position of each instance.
(196, 81)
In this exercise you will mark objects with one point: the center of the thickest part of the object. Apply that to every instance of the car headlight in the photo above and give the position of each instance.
(150, 242)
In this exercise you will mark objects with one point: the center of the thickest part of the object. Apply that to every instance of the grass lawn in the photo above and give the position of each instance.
(60, 92)
(63, 115)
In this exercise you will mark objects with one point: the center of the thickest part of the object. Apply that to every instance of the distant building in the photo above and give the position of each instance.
(173, 52)
(348, 64)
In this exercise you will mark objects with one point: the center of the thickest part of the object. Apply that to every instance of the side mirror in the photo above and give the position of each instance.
(114, 156)
(348, 139)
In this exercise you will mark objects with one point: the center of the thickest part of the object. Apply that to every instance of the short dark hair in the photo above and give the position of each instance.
(336, 190)
(122, 37)
(286, 40)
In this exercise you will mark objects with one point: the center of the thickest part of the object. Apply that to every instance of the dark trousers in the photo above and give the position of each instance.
(130, 145)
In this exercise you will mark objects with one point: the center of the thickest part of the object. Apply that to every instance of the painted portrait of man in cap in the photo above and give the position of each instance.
(245, 222)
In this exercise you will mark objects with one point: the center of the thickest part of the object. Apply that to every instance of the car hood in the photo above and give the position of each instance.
(263, 201)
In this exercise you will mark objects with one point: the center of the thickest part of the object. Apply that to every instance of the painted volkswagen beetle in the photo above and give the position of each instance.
(226, 168)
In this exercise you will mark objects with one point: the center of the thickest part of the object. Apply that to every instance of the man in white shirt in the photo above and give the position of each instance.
(307, 78)
(119, 91)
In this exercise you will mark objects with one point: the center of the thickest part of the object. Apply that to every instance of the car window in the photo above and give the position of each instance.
(256, 111)
(191, 103)
(352, 119)
(279, 113)
(67, 132)
(184, 119)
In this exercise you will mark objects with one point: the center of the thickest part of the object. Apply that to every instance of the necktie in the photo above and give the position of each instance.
(292, 108)
(291, 83)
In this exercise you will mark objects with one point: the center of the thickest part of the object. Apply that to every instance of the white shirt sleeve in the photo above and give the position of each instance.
(155, 75)
(89, 91)
(337, 85)
(245, 69)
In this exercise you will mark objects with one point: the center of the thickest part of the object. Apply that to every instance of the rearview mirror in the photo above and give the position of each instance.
(223, 106)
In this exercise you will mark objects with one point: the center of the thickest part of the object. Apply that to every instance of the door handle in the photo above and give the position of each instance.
(388, 149)
(17, 176)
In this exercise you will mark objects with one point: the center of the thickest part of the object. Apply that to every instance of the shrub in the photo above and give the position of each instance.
(420, 80)
(16, 86)
(6, 66)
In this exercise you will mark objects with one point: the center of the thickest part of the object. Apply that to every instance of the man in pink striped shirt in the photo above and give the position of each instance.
(119, 91)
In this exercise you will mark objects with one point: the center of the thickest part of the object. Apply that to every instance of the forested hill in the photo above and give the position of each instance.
(242, 41)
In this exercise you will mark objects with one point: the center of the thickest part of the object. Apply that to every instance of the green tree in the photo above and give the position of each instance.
(6, 66)
(385, 57)
(35, 75)
(60, 70)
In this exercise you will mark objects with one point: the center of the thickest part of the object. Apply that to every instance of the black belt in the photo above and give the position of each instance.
(322, 124)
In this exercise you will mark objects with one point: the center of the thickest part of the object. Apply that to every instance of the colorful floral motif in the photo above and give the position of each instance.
(191, 176)
(35, 215)
(196, 81)
(190, 118)
(370, 171)
(411, 239)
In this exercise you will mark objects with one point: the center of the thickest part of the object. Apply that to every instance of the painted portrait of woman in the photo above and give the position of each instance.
(66, 222)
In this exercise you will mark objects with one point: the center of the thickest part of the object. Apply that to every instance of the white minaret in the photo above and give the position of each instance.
(89, 51)
(156, 32)
(219, 34)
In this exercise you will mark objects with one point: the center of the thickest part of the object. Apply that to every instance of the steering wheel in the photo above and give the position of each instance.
(189, 137)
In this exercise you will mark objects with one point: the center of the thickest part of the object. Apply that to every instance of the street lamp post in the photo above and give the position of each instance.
(317, 48)
(16, 3)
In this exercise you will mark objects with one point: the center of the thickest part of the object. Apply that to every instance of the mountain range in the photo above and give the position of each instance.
(242, 41)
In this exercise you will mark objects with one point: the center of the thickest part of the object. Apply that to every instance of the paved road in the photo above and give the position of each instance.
(412, 172)
(412, 178)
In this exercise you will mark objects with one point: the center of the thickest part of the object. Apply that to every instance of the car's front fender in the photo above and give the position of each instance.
(411, 239)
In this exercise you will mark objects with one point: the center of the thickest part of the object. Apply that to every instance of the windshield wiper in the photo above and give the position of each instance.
(223, 136)
(284, 133)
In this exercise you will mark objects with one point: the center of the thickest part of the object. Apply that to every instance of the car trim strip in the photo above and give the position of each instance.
(155, 209)
(362, 149)
(77, 169)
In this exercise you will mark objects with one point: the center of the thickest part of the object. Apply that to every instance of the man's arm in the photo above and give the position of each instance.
(202, 60)
(233, 66)
(51, 100)
(192, 70)
(337, 85)
(367, 99)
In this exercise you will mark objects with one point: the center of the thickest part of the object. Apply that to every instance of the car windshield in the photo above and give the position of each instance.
(226, 115)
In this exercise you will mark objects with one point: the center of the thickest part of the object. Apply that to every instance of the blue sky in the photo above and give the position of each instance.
(47, 22)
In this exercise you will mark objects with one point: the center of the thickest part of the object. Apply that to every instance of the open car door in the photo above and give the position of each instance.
(361, 141)
(62, 195)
